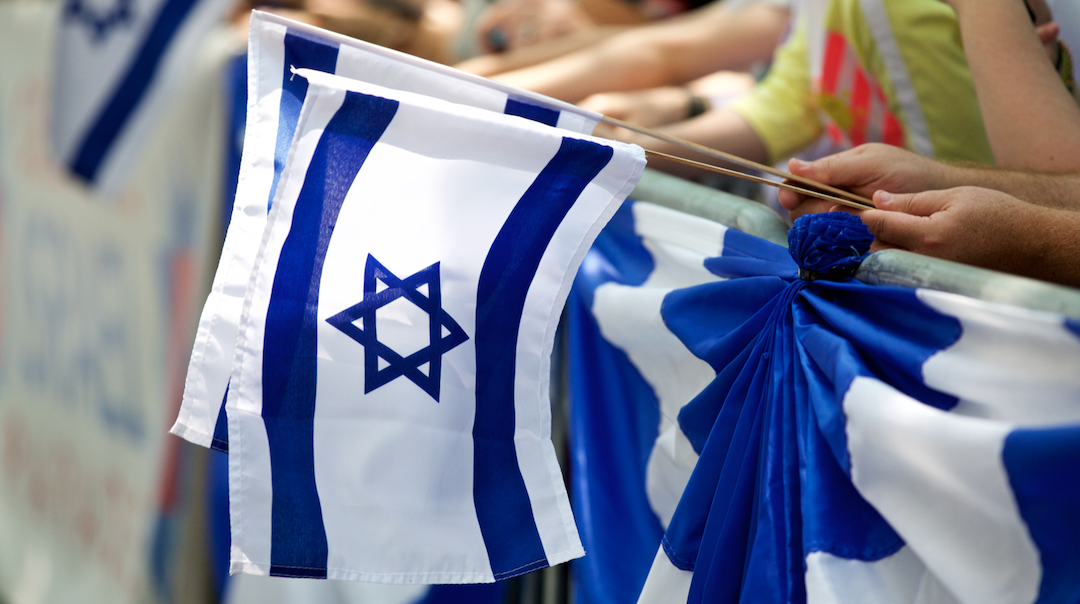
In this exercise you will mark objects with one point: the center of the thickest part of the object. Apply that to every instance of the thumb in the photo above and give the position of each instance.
(806, 169)
(916, 204)
(894, 228)
(834, 170)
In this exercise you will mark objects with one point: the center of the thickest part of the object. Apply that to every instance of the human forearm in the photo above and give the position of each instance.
(722, 130)
(721, 39)
(672, 52)
(1060, 190)
(652, 107)
(493, 64)
(614, 12)
(574, 76)
(1031, 120)
(868, 169)
(1060, 262)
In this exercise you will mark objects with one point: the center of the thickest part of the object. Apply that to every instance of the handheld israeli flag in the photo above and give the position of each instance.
(118, 63)
(857, 443)
(389, 415)
(276, 46)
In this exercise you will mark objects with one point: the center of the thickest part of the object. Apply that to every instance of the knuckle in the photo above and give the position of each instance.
(932, 241)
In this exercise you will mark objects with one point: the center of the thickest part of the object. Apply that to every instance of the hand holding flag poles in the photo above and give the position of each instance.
(863, 204)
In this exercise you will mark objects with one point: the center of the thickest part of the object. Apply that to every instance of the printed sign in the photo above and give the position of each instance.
(97, 312)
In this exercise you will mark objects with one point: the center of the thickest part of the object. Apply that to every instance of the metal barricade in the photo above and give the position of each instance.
(889, 267)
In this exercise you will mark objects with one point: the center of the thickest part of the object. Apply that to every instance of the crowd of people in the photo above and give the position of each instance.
(958, 117)
(1019, 214)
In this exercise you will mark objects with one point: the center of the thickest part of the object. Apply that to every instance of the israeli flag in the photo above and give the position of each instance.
(276, 47)
(388, 414)
(855, 443)
(118, 62)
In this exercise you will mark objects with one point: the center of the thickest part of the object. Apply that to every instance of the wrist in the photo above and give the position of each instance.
(949, 176)
(1045, 255)
(1061, 249)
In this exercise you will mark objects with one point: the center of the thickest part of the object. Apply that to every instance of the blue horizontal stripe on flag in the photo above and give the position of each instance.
(532, 112)
(502, 502)
(99, 140)
(298, 536)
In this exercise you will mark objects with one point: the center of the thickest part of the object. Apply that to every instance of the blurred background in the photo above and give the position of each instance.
(100, 292)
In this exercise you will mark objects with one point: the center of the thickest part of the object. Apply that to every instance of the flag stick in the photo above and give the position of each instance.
(858, 205)
(809, 187)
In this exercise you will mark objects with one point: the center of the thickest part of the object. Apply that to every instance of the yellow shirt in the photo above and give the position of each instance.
(851, 94)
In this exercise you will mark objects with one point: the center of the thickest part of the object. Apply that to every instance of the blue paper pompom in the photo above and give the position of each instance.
(830, 245)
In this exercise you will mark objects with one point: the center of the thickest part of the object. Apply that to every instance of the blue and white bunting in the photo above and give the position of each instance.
(389, 415)
(630, 462)
(118, 62)
(276, 47)
(856, 443)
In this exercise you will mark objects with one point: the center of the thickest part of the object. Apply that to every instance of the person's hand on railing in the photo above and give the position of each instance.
(980, 227)
(865, 170)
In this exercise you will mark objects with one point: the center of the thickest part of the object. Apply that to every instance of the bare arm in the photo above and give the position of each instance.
(775, 118)
(652, 107)
(1061, 190)
(720, 129)
(675, 51)
(1031, 120)
(871, 168)
(495, 63)
(613, 12)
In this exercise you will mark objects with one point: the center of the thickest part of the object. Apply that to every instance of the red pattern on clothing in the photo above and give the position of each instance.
(868, 116)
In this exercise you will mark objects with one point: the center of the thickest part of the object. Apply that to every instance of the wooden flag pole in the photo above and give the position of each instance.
(858, 205)
(808, 187)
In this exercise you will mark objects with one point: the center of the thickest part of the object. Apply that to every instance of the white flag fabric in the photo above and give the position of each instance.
(389, 415)
(856, 443)
(275, 95)
(118, 63)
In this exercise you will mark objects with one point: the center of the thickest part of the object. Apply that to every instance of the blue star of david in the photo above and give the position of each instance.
(100, 22)
(367, 336)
